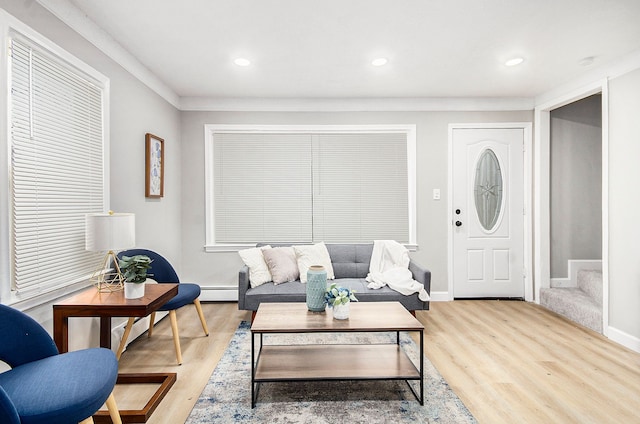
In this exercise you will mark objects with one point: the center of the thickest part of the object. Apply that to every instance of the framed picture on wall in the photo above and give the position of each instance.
(154, 166)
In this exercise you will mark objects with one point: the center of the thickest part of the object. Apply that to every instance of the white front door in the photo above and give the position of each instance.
(488, 208)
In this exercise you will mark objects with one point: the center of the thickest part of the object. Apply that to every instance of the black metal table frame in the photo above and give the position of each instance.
(255, 385)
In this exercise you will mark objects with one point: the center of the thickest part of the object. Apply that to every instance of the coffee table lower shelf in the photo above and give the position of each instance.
(277, 363)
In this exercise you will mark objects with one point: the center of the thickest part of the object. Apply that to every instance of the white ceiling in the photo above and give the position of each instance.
(306, 49)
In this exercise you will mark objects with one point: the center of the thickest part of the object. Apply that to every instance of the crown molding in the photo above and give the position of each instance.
(79, 22)
(391, 104)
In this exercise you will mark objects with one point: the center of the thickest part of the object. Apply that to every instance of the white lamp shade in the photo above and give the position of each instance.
(105, 231)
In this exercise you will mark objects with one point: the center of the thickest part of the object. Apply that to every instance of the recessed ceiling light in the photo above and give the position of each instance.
(381, 61)
(586, 61)
(241, 61)
(514, 62)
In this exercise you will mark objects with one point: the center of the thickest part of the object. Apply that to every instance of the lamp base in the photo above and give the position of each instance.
(108, 278)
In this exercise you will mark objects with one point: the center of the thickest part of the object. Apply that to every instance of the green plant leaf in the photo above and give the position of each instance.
(134, 268)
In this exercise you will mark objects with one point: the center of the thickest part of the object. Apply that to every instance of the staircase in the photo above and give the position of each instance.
(582, 304)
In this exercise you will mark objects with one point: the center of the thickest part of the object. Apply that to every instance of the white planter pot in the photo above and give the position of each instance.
(133, 290)
(341, 311)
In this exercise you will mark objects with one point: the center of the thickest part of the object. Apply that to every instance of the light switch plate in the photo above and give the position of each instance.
(436, 194)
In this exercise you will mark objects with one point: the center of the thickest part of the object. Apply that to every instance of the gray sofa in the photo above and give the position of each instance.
(350, 264)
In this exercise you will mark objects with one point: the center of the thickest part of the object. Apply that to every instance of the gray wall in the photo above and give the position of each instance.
(576, 183)
(175, 224)
(432, 142)
(624, 204)
(135, 110)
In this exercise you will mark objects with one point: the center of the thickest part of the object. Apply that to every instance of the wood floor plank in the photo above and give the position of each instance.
(508, 361)
(558, 371)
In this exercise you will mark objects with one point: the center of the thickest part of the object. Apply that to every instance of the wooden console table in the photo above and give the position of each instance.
(91, 303)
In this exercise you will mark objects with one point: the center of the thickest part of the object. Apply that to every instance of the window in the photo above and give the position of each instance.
(57, 167)
(487, 189)
(338, 184)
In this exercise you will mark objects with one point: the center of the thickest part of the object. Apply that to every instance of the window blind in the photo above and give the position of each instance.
(310, 187)
(360, 189)
(262, 186)
(57, 170)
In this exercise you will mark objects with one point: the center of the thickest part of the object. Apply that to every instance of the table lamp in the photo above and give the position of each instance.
(109, 232)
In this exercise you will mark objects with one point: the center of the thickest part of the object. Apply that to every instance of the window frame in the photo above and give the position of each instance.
(11, 27)
(211, 129)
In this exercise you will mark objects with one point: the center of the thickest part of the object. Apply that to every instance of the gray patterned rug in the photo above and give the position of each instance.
(227, 396)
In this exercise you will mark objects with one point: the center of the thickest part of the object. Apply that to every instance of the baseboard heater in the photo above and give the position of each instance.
(219, 294)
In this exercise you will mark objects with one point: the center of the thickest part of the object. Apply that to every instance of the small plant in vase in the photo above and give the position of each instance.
(134, 270)
(339, 298)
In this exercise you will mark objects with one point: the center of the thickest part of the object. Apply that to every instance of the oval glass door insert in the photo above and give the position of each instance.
(488, 189)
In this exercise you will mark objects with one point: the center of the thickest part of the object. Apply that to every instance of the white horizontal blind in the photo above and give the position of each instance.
(262, 186)
(56, 170)
(360, 189)
(310, 186)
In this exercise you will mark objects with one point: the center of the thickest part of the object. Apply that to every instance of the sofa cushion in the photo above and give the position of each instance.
(315, 254)
(282, 264)
(295, 291)
(365, 294)
(350, 260)
(269, 292)
(258, 269)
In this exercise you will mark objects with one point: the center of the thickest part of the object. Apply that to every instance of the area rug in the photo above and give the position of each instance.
(227, 396)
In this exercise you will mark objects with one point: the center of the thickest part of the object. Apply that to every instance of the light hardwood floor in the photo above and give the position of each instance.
(509, 362)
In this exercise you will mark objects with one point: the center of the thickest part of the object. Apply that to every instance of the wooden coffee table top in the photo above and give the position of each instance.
(363, 316)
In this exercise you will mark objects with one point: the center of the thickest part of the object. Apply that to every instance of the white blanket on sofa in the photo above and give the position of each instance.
(390, 266)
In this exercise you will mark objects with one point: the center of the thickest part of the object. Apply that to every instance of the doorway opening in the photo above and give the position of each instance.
(576, 282)
(576, 188)
(585, 208)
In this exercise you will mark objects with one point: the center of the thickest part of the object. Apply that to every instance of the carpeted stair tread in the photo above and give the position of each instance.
(590, 282)
(575, 304)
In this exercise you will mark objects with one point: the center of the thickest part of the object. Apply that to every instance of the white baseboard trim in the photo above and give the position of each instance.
(625, 339)
(219, 294)
(440, 296)
(575, 265)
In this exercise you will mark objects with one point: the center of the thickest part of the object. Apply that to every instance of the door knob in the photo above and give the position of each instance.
(458, 224)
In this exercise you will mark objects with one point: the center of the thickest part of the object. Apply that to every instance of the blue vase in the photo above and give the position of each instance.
(316, 288)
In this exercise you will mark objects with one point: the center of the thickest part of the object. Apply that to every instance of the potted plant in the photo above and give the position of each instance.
(134, 270)
(339, 298)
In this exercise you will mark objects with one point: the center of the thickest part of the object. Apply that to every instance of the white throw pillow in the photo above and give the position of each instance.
(258, 270)
(316, 254)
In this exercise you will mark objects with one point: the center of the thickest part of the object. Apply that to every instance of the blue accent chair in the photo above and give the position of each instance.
(45, 387)
(162, 272)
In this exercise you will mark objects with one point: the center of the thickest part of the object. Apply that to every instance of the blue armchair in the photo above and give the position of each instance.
(162, 272)
(45, 387)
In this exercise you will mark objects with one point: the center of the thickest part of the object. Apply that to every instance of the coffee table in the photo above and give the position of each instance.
(280, 363)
